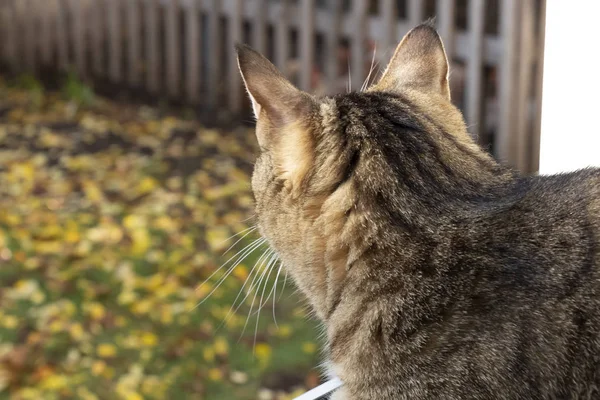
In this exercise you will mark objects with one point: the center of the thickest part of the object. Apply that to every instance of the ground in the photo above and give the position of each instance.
(111, 216)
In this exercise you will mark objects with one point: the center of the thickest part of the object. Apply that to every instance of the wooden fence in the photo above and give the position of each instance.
(184, 49)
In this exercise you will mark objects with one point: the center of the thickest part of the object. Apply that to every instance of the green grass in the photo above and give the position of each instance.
(110, 218)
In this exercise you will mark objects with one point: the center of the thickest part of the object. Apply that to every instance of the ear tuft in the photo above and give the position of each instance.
(419, 62)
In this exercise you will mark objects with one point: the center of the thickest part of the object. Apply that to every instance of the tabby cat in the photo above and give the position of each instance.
(437, 272)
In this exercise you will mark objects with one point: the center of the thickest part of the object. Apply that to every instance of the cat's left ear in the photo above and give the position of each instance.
(284, 115)
(419, 62)
(269, 90)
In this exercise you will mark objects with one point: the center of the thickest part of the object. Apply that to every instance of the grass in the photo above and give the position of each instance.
(110, 217)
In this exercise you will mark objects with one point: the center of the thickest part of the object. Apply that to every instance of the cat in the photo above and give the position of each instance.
(437, 272)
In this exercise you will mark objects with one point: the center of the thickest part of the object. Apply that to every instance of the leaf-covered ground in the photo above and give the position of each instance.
(111, 215)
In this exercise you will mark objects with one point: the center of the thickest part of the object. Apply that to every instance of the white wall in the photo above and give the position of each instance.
(570, 133)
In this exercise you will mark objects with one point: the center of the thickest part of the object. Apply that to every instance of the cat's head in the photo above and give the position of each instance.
(317, 152)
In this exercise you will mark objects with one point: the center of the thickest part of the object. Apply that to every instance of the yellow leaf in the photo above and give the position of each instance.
(209, 354)
(98, 367)
(149, 339)
(10, 321)
(309, 347)
(146, 185)
(263, 351)
(221, 346)
(133, 396)
(241, 272)
(215, 374)
(106, 350)
(96, 310)
(76, 331)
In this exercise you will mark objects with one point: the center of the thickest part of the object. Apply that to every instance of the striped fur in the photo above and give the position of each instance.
(437, 272)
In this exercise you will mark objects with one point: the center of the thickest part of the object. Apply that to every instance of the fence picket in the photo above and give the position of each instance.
(214, 62)
(390, 39)
(332, 43)
(133, 42)
(534, 161)
(115, 42)
(509, 30)
(193, 62)
(151, 45)
(172, 48)
(62, 44)
(524, 77)
(282, 37)
(358, 53)
(445, 21)
(79, 35)
(27, 18)
(259, 26)
(474, 67)
(10, 45)
(307, 44)
(415, 12)
(235, 36)
(98, 34)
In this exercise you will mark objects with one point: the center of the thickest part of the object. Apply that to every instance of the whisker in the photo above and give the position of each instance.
(230, 269)
(254, 299)
(261, 306)
(258, 263)
(284, 283)
(275, 295)
(366, 82)
(236, 234)
(262, 240)
(250, 230)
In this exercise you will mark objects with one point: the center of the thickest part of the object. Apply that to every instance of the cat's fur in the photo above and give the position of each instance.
(437, 272)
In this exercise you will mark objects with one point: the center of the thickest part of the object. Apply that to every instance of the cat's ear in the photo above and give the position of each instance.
(419, 62)
(284, 114)
(269, 90)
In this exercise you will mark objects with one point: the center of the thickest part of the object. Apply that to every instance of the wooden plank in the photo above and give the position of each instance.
(115, 43)
(98, 35)
(134, 49)
(259, 26)
(79, 35)
(214, 61)
(193, 55)
(47, 19)
(307, 44)
(173, 46)
(10, 30)
(235, 36)
(474, 94)
(523, 100)
(534, 164)
(445, 24)
(62, 36)
(357, 52)
(282, 37)
(416, 12)
(29, 25)
(152, 44)
(507, 78)
(389, 15)
(332, 43)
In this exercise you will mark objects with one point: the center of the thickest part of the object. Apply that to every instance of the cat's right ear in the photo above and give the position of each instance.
(272, 95)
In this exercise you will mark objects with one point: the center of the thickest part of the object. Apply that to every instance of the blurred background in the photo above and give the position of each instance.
(125, 152)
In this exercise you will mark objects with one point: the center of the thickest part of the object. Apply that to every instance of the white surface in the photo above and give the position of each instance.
(570, 134)
(321, 390)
